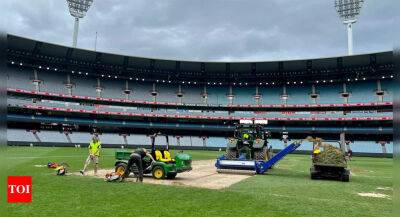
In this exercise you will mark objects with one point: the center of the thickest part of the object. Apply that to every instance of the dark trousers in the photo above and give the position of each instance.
(135, 159)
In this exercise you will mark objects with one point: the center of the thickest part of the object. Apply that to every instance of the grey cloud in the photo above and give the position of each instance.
(208, 29)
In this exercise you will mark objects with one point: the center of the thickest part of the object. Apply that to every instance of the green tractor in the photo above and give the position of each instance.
(249, 142)
(163, 167)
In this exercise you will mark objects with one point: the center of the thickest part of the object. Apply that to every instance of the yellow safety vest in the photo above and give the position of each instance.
(317, 151)
(94, 148)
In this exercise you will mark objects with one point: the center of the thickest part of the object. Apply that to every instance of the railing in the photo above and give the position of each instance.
(244, 107)
(198, 117)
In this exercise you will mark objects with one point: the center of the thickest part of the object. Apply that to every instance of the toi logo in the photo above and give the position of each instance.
(19, 189)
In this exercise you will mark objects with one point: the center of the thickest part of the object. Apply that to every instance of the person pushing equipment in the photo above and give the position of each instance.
(94, 153)
(137, 158)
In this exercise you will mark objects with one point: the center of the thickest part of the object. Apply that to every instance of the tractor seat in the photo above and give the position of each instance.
(167, 155)
(159, 156)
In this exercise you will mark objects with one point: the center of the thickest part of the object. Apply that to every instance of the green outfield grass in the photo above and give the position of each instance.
(285, 191)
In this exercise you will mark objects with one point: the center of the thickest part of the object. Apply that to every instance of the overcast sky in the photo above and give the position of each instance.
(219, 30)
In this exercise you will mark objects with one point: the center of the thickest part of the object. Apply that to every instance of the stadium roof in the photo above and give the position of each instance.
(234, 70)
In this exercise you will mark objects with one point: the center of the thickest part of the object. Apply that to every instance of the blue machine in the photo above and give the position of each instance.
(258, 166)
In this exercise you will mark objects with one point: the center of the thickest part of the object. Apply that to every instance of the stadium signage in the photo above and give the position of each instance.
(19, 189)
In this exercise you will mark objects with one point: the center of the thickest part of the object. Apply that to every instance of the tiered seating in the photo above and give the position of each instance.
(329, 93)
(243, 95)
(19, 135)
(240, 114)
(361, 91)
(136, 139)
(52, 136)
(18, 78)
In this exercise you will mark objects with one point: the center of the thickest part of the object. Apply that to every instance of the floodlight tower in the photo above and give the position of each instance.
(78, 9)
(348, 11)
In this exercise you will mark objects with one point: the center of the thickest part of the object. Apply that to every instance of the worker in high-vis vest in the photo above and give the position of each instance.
(316, 152)
(94, 153)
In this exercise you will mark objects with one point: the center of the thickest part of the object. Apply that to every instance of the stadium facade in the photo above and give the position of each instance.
(59, 95)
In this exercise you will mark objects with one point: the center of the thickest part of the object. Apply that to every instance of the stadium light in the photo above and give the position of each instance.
(78, 9)
(348, 11)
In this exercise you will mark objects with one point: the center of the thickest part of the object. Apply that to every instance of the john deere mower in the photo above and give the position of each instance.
(164, 166)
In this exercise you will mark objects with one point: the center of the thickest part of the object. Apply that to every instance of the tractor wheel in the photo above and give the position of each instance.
(120, 168)
(158, 172)
(345, 177)
(313, 173)
(261, 154)
(230, 154)
(171, 175)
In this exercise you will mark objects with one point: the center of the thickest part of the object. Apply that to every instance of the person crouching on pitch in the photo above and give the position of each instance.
(94, 153)
(137, 158)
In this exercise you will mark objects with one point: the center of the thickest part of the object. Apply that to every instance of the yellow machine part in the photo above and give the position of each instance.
(120, 171)
(317, 151)
(158, 173)
(166, 158)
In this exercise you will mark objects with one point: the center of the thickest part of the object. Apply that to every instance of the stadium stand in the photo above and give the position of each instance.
(360, 91)
(110, 138)
(306, 97)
